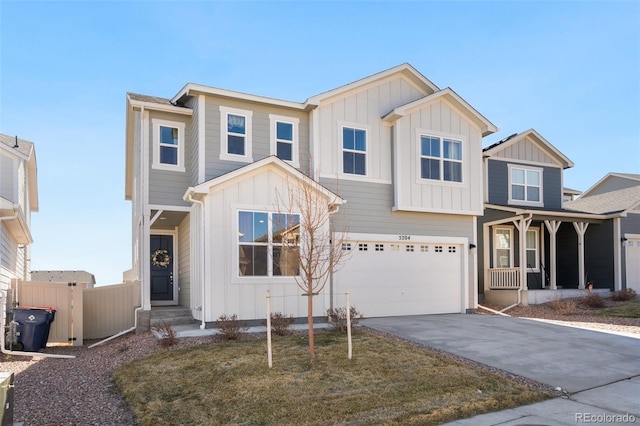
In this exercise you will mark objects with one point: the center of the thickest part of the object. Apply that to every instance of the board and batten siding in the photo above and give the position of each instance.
(184, 262)
(498, 183)
(526, 150)
(362, 109)
(8, 178)
(226, 293)
(412, 192)
(261, 136)
(166, 187)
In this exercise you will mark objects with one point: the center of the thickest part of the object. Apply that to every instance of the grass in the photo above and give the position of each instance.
(386, 382)
(629, 309)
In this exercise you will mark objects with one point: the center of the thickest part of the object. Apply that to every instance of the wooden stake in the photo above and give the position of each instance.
(348, 323)
(269, 356)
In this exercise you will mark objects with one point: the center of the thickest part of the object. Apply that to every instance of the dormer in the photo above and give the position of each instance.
(524, 170)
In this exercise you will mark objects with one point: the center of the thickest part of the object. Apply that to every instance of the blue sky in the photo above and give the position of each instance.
(570, 70)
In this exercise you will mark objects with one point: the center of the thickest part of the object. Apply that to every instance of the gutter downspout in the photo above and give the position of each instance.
(190, 198)
(21, 353)
(135, 325)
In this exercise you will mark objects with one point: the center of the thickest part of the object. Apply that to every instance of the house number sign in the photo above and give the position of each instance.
(404, 237)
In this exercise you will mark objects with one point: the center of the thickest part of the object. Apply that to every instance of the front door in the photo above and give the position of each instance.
(162, 285)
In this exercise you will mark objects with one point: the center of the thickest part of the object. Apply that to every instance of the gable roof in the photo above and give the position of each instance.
(633, 179)
(405, 70)
(618, 201)
(26, 151)
(272, 160)
(485, 125)
(540, 141)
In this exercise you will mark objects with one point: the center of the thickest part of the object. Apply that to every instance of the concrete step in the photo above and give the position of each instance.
(172, 321)
(173, 315)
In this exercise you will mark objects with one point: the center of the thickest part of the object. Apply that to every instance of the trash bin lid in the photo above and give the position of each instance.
(47, 308)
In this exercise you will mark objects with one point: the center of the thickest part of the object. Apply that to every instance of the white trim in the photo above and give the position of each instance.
(295, 142)
(367, 152)
(202, 139)
(434, 210)
(406, 238)
(160, 107)
(191, 87)
(156, 164)
(248, 135)
(359, 178)
(525, 202)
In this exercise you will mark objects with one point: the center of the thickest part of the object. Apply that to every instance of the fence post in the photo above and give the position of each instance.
(269, 356)
(348, 323)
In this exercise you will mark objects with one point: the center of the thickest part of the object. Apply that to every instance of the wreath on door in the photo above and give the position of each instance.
(161, 258)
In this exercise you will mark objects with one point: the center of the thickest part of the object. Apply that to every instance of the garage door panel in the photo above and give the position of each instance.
(403, 279)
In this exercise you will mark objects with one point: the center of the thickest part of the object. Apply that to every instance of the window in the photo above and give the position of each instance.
(440, 158)
(168, 145)
(354, 151)
(525, 185)
(268, 244)
(532, 250)
(284, 138)
(235, 134)
(502, 254)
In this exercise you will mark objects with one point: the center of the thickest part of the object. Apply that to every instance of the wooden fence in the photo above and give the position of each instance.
(81, 313)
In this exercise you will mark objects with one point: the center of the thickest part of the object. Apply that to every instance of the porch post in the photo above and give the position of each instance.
(523, 226)
(552, 227)
(581, 228)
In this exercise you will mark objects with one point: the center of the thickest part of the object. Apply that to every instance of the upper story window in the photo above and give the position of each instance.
(168, 145)
(354, 151)
(268, 244)
(525, 185)
(235, 134)
(284, 138)
(440, 158)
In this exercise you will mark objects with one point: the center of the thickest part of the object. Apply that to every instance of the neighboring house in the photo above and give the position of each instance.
(533, 245)
(400, 157)
(78, 277)
(618, 195)
(18, 198)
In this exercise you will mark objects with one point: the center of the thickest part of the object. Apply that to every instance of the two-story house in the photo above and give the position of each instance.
(400, 158)
(534, 243)
(18, 198)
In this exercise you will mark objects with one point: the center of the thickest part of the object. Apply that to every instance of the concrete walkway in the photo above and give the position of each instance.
(599, 372)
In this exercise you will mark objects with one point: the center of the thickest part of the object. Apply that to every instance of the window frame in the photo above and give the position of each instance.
(247, 157)
(536, 249)
(511, 168)
(295, 144)
(441, 158)
(495, 247)
(344, 125)
(270, 244)
(156, 123)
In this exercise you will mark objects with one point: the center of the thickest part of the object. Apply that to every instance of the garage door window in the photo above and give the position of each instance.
(268, 244)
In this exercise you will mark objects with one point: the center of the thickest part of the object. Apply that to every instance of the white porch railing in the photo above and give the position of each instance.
(504, 278)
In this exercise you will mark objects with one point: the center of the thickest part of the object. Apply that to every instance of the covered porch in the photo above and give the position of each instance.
(533, 256)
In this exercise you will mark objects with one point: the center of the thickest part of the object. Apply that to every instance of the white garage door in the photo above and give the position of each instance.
(633, 263)
(403, 278)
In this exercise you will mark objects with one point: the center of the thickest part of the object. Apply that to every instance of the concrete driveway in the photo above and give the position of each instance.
(599, 371)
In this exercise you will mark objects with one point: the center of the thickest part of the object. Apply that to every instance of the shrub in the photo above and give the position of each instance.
(623, 295)
(166, 335)
(280, 323)
(564, 306)
(338, 318)
(593, 301)
(230, 327)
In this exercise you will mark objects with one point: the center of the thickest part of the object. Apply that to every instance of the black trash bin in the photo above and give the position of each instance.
(33, 326)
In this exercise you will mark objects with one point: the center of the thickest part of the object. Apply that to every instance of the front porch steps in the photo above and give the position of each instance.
(172, 315)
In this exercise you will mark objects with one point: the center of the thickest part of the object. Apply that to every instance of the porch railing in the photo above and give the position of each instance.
(504, 278)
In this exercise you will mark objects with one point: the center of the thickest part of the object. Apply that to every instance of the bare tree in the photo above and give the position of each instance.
(311, 249)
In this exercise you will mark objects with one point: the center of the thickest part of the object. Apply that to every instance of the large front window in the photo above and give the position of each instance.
(268, 244)
(525, 185)
(354, 151)
(502, 255)
(440, 158)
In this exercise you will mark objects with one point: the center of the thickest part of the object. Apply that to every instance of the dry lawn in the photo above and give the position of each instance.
(386, 382)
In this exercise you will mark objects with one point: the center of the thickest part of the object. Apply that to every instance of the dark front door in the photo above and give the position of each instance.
(162, 268)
